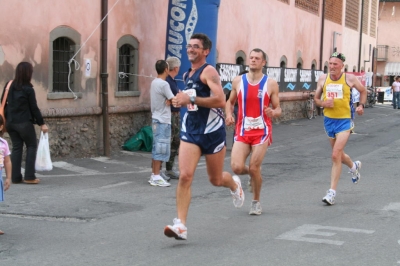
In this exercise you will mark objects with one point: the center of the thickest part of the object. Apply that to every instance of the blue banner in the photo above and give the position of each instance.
(186, 17)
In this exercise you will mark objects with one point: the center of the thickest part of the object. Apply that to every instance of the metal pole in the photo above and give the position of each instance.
(361, 29)
(104, 78)
(321, 47)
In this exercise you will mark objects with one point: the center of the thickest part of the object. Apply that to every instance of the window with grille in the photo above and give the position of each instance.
(126, 65)
(63, 51)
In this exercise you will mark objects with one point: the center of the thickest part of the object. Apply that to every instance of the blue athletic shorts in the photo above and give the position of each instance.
(335, 126)
(208, 143)
(161, 141)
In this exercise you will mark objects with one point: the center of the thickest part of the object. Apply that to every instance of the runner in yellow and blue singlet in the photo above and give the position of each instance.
(335, 90)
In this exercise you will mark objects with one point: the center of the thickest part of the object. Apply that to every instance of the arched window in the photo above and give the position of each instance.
(299, 64)
(240, 57)
(314, 64)
(283, 61)
(128, 60)
(63, 51)
(240, 61)
(63, 76)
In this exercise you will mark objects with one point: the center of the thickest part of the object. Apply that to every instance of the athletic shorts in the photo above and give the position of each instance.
(161, 141)
(253, 140)
(335, 126)
(208, 143)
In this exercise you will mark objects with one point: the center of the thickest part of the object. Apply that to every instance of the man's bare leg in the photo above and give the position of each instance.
(239, 154)
(256, 159)
(156, 166)
(339, 157)
(215, 166)
(189, 156)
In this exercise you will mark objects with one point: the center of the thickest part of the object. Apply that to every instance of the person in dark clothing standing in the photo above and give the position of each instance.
(174, 64)
(21, 114)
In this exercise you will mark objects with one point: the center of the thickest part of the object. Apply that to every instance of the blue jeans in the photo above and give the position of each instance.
(19, 134)
(161, 141)
(396, 99)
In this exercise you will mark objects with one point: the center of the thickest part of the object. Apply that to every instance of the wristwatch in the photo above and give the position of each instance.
(363, 105)
(192, 99)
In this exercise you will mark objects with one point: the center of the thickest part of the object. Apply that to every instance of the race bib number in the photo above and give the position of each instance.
(191, 107)
(253, 123)
(334, 91)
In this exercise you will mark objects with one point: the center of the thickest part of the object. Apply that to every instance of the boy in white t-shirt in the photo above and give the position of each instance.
(5, 163)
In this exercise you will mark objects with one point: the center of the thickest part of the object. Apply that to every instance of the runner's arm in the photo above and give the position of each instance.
(230, 104)
(355, 83)
(318, 91)
(276, 110)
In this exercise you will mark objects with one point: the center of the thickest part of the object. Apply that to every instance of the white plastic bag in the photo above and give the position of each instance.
(43, 160)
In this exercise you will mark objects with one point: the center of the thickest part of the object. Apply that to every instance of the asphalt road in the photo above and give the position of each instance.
(102, 211)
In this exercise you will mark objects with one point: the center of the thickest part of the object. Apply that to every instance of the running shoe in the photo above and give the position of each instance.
(172, 174)
(164, 176)
(151, 178)
(329, 198)
(356, 174)
(255, 208)
(238, 195)
(159, 182)
(178, 230)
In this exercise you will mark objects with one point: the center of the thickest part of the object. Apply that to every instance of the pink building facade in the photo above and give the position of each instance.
(388, 43)
(70, 93)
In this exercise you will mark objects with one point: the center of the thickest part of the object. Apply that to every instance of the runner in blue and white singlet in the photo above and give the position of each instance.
(203, 120)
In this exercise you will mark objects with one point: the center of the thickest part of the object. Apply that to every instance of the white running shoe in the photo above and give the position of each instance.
(178, 230)
(355, 176)
(238, 195)
(329, 198)
(159, 182)
(255, 208)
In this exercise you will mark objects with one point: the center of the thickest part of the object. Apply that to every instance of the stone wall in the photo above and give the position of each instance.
(81, 136)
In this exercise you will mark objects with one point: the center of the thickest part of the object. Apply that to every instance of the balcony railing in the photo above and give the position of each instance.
(382, 54)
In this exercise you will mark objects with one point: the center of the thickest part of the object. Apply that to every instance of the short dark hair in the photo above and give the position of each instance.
(161, 65)
(23, 74)
(258, 50)
(207, 44)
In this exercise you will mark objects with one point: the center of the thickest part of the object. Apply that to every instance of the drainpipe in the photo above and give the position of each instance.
(361, 29)
(104, 78)
(321, 47)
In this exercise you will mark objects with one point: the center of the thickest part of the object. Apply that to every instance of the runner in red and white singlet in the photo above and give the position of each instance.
(253, 125)
(258, 102)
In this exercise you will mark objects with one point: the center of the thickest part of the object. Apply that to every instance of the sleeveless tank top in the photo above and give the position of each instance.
(203, 120)
(252, 120)
(340, 91)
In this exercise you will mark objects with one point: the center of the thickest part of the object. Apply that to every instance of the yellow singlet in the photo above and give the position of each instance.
(341, 92)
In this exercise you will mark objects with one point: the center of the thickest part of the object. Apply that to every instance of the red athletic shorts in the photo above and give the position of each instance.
(254, 140)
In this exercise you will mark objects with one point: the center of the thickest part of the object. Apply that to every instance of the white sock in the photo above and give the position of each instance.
(353, 169)
(333, 191)
(157, 177)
